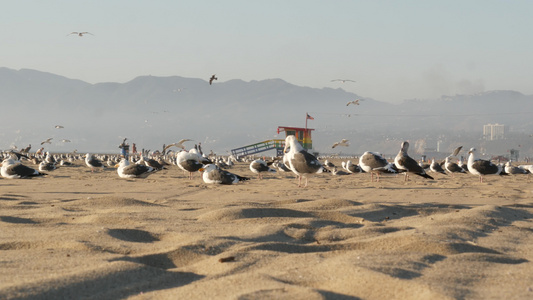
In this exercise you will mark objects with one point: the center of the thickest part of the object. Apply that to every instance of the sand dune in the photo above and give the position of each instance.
(77, 234)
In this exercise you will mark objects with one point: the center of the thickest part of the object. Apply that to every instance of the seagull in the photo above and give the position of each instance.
(403, 161)
(509, 169)
(18, 155)
(212, 174)
(373, 162)
(80, 34)
(93, 162)
(301, 163)
(212, 78)
(47, 141)
(47, 166)
(343, 80)
(178, 144)
(14, 170)
(354, 102)
(127, 170)
(482, 167)
(189, 161)
(452, 167)
(436, 167)
(65, 141)
(59, 126)
(328, 164)
(150, 162)
(456, 151)
(27, 149)
(343, 142)
(259, 166)
(336, 172)
(351, 167)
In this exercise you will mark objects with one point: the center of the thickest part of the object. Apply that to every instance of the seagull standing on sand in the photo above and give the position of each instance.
(260, 166)
(452, 167)
(481, 167)
(93, 162)
(302, 163)
(189, 161)
(403, 161)
(373, 162)
(436, 167)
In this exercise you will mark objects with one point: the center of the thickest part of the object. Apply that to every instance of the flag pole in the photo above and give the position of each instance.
(306, 114)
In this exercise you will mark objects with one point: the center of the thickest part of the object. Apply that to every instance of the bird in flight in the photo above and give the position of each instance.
(178, 144)
(59, 126)
(65, 141)
(47, 141)
(343, 142)
(79, 33)
(212, 78)
(343, 80)
(354, 102)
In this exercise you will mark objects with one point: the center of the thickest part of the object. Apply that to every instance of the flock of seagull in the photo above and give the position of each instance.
(296, 159)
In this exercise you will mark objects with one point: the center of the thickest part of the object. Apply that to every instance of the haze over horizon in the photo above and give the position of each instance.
(393, 50)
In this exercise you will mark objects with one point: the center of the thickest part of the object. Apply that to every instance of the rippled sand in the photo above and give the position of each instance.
(77, 234)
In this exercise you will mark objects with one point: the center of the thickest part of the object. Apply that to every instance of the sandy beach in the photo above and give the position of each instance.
(80, 235)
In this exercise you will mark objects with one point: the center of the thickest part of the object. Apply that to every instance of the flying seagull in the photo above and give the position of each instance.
(343, 80)
(354, 102)
(212, 78)
(47, 141)
(178, 144)
(59, 126)
(343, 142)
(79, 33)
(65, 141)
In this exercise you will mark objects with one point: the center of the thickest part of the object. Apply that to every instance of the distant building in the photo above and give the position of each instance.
(493, 132)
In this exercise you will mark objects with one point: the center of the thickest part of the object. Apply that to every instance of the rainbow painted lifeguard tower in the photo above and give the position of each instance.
(303, 135)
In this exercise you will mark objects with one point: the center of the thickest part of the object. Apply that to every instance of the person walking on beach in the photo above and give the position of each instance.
(124, 148)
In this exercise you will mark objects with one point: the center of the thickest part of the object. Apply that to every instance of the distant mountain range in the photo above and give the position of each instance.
(152, 111)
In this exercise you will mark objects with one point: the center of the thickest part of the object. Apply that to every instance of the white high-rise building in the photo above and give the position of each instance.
(493, 132)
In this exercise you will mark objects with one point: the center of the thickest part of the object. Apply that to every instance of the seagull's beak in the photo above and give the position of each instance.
(117, 165)
(201, 170)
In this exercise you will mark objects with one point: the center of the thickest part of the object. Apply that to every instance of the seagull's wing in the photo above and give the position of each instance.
(183, 141)
(456, 151)
(74, 32)
(178, 144)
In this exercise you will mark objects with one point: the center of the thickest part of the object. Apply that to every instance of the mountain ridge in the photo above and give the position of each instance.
(230, 114)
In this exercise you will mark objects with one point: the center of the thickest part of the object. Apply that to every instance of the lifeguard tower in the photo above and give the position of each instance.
(303, 135)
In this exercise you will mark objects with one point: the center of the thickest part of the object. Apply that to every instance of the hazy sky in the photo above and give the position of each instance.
(395, 50)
